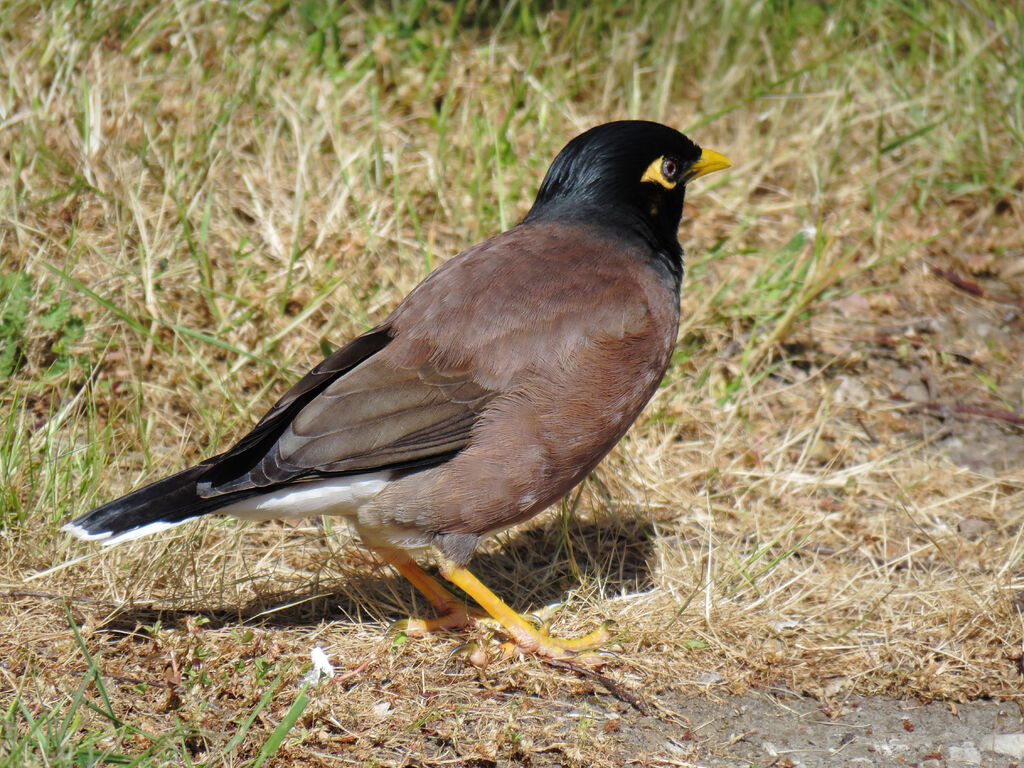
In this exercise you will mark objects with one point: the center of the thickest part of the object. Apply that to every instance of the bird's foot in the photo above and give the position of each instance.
(529, 634)
(588, 650)
(455, 617)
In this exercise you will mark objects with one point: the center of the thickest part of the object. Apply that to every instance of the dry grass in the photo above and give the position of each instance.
(197, 198)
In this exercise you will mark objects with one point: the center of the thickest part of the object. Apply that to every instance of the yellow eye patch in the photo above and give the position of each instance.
(653, 173)
(708, 162)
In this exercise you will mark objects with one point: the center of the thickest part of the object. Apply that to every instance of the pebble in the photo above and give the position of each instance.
(965, 753)
(1011, 744)
(971, 527)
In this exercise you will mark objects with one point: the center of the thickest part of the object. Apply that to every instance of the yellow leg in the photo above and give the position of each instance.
(453, 612)
(524, 634)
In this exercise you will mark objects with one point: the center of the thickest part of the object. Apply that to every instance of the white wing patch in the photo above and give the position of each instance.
(341, 496)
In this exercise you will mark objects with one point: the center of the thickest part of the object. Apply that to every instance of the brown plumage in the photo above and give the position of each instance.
(488, 393)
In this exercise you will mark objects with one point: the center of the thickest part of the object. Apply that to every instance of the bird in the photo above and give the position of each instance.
(490, 391)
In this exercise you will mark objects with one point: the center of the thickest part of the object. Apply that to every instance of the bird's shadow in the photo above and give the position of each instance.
(529, 568)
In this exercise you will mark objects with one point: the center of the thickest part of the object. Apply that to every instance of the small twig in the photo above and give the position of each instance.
(973, 288)
(136, 681)
(614, 688)
(872, 437)
(358, 670)
(996, 414)
(12, 593)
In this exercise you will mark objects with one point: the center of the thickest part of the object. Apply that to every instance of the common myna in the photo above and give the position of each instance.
(491, 390)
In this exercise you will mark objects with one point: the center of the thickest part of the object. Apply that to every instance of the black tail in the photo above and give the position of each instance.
(157, 506)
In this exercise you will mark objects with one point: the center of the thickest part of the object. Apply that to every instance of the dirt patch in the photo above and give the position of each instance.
(781, 728)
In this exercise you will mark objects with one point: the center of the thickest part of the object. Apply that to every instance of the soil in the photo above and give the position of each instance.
(781, 728)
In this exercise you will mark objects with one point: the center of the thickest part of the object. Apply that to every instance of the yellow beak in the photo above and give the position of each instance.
(709, 162)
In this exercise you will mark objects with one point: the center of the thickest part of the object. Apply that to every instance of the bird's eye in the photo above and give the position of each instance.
(669, 169)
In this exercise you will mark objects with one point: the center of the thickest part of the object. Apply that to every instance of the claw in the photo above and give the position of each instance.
(474, 651)
(412, 627)
(591, 659)
(399, 627)
(463, 650)
(546, 614)
(536, 619)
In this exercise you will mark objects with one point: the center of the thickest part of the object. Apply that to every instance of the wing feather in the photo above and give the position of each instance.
(372, 415)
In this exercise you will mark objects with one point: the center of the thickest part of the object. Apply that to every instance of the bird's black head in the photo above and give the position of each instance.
(631, 173)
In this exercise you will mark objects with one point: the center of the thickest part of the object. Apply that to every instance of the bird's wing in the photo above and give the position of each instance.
(356, 411)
